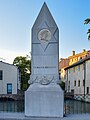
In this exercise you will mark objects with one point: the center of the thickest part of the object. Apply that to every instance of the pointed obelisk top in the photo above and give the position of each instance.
(45, 5)
(44, 16)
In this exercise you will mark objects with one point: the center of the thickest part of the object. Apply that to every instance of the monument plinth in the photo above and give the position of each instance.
(44, 97)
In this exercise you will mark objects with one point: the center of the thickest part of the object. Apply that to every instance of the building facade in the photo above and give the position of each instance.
(64, 62)
(9, 78)
(78, 77)
(76, 57)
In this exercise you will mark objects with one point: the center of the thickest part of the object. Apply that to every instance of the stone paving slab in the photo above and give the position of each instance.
(21, 116)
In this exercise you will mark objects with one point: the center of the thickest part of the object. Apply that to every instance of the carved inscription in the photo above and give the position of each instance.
(45, 67)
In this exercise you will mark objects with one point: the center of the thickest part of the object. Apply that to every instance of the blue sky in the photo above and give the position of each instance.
(17, 18)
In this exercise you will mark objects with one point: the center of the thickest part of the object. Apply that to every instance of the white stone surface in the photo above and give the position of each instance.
(44, 101)
(44, 53)
(44, 98)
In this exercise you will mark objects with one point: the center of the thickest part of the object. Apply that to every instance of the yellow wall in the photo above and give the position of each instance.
(76, 57)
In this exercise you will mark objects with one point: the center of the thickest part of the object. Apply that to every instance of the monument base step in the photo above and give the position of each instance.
(44, 101)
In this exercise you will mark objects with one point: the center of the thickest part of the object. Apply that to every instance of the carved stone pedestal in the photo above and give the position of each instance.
(44, 101)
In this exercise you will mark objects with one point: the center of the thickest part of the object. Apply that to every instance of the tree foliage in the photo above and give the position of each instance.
(62, 84)
(87, 21)
(24, 65)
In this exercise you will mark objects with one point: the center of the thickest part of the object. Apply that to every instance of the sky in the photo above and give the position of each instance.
(18, 16)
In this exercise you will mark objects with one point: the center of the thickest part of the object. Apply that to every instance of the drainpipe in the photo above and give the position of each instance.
(84, 64)
(67, 80)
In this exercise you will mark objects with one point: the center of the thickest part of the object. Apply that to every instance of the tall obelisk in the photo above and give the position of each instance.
(44, 97)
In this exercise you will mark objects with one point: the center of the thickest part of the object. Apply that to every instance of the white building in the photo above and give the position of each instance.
(9, 78)
(78, 77)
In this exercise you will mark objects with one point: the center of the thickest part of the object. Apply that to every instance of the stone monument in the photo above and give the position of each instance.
(44, 97)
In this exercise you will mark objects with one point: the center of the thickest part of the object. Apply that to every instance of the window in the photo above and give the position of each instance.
(79, 67)
(68, 83)
(69, 70)
(72, 90)
(68, 86)
(83, 66)
(74, 69)
(1, 75)
(75, 83)
(78, 83)
(9, 88)
(83, 82)
(80, 58)
(87, 90)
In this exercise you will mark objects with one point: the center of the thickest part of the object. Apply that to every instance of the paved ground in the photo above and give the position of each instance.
(21, 116)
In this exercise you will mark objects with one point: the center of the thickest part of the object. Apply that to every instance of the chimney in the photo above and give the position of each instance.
(84, 50)
(73, 52)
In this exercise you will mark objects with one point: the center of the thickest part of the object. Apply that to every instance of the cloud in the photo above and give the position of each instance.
(9, 56)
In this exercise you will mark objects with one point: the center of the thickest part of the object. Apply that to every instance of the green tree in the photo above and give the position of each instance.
(62, 84)
(87, 21)
(24, 65)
